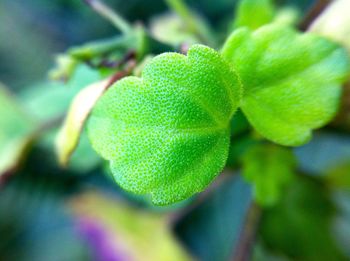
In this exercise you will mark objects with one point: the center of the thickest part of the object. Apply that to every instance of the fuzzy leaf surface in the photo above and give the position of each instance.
(292, 81)
(167, 133)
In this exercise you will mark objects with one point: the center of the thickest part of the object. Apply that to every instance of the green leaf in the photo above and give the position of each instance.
(269, 168)
(167, 133)
(16, 132)
(170, 28)
(192, 22)
(292, 81)
(254, 13)
(48, 100)
(300, 225)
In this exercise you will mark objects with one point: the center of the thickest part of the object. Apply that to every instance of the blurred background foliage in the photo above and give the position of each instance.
(79, 213)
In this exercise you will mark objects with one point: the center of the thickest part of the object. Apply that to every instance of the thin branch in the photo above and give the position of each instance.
(131, 55)
(182, 10)
(248, 235)
(105, 11)
(314, 11)
(130, 65)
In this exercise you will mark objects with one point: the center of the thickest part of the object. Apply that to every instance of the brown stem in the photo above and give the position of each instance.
(113, 64)
(248, 235)
(313, 12)
(119, 75)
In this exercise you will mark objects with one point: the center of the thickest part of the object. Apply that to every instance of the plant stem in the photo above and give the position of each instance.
(314, 11)
(105, 11)
(182, 10)
(247, 237)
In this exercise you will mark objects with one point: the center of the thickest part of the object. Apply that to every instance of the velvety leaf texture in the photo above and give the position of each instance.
(167, 133)
(292, 81)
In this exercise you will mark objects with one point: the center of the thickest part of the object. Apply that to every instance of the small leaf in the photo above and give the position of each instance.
(300, 225)
(292, 81)
(269, 168)
(65, 67)
(167, 133)
(68, 137)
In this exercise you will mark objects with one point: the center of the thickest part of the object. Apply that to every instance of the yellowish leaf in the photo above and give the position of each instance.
(130, 232)
(69, 135)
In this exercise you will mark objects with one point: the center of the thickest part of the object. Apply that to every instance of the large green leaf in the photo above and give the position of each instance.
(167, 133)
(292, 81)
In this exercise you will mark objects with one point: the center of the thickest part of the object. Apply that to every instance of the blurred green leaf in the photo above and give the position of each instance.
(103, 47)
(50, 100)
(239, 123)
(292, 81)
(300, 224)
(84, 159)
(270, 169)
(341, 223)
(261, 253)
(238, 147)
(254, 13)
(65, 67)
(170, 28)
(192, 22)
(16, 131)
